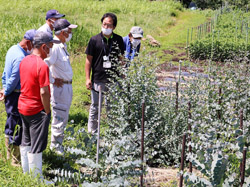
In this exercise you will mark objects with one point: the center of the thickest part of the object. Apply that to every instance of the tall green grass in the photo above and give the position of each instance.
(20, 16)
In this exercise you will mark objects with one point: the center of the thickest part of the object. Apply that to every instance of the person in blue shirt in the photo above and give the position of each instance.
(10, 94)
(132, 42)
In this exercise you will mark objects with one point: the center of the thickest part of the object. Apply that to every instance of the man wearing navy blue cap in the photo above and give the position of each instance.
(61, 95)
(11, 92)
(51, 17)
(34, 104)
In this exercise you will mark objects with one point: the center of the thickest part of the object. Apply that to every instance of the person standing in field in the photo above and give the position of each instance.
(51, 17)
(11, 92)
(61, 83)
(103, 54)
(34, 103)
(132, 43)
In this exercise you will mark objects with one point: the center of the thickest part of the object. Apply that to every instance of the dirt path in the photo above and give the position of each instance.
(161, 177)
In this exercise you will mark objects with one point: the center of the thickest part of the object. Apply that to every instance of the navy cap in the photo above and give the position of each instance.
(29, 35)
(63, 24)
(53, 14)
(43, 38)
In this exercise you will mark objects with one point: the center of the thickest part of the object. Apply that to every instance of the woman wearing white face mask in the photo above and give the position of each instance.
(132, 42)
(61, 83)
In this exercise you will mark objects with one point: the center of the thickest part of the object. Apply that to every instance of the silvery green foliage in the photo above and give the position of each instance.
(111, 170)
(162, 127)
(92, 184)
(217, 140)
(247, 182)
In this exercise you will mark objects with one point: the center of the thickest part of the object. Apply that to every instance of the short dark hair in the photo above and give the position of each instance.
(113, 16)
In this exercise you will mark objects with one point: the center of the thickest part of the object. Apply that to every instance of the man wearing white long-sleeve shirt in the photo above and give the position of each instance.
(61, 83)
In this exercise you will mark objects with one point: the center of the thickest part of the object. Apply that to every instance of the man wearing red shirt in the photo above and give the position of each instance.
(34, 103)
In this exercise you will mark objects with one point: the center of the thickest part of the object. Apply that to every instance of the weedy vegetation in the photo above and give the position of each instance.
(225, 37)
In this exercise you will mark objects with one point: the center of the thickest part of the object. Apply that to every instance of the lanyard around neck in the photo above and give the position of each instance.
(103, 43)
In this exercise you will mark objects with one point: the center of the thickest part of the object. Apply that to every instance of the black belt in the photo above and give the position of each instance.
(67, 82)
(17, 90)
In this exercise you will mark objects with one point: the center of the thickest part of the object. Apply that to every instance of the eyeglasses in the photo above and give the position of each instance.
(107, 25)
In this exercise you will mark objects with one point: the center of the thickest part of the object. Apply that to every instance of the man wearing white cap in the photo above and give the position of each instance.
(34, 103)
(132, 42)
(61, 83)
(51, 17)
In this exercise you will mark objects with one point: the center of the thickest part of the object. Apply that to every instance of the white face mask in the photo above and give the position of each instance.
(50, 52)
(107, 31)
(69, 37)
(29, 51)
(135, 42)
(52, 23)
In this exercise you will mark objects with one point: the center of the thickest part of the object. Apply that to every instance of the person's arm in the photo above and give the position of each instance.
(4, 79)
(45, 98)
(51, 61)
(14, 77)
(88, 63)
(2, 96)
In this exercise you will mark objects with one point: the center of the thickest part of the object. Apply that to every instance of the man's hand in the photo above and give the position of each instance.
(88, 84)
(87, 71)
(2, 96)
(58, 82)
(45, 98)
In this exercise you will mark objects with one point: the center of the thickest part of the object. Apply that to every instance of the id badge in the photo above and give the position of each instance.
(107, 64)
(105, 58)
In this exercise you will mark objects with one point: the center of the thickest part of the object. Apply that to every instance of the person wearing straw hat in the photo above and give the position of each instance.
(11, 92)
(61, 75)
(34, 104)
(132, 42)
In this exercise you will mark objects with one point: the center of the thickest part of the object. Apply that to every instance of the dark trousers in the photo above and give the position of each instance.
(35, 131)
(13, 119)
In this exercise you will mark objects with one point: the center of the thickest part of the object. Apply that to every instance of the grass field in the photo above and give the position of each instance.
(165, 20)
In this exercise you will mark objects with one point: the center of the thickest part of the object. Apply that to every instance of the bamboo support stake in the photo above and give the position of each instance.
(179, 73)
(246, 35)
(177, 96)
(241, 120)
(219, 103)
(241, 127)
(242, 177)
(187, 43)
(98, 128)
(182, 159)
(189, 135)
(198, 32)
(177, 88)
(191, 34)
(142, 142)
